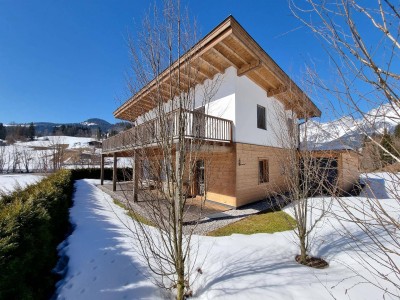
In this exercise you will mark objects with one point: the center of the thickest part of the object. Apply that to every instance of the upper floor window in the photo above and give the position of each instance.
(261, 117)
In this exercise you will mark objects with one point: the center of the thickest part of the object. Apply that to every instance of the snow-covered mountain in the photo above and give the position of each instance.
(350, 131)
(47, 128)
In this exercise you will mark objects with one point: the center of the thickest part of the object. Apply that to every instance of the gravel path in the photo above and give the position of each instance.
(210, 222)
(216, 221)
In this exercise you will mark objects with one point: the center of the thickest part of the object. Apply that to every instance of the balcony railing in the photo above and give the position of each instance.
(196, 126)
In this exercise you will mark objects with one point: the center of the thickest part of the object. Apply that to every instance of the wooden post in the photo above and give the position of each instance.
(114, 178)
(135, 177)
(102, 170)
(231, 131)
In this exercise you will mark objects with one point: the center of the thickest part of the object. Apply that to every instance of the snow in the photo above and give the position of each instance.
(101, 265)
(88, 123)
(71, 141)
(104, 265)
(9, 182)
(38, 154)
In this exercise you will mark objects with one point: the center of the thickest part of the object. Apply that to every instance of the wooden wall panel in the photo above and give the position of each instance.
(248, 188)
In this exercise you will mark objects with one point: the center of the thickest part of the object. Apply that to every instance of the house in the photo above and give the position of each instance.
(96, 144)
(245, 141)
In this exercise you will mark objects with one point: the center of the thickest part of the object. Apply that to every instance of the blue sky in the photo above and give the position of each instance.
(65, 61)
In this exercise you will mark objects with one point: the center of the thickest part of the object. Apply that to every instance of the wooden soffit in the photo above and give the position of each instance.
(226, 45)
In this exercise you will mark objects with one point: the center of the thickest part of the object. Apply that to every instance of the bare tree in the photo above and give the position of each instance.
(165, 159)
(26, 158)
(3, 159)
(15, 158)
(43, 161)
(306, 173)
(362, 42)
(57, 149)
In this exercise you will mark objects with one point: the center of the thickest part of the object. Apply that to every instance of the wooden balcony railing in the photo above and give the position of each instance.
(196, 126)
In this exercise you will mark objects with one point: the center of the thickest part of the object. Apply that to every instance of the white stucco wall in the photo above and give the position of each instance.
(248, 96)
(222, 103)
(217, 95)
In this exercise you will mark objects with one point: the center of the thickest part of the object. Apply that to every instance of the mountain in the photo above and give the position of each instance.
(99, 123)
(348, 131)
(87, 127)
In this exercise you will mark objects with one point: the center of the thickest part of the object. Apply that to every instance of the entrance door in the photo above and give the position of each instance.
(199, 122)
(200, 182)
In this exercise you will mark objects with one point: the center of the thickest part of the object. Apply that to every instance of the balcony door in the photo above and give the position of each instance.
(199, 122)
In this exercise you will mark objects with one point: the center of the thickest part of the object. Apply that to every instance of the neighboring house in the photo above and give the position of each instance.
(96, 144)
(253, 94)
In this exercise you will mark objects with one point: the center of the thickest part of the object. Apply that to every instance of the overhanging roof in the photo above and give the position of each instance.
(226, 45)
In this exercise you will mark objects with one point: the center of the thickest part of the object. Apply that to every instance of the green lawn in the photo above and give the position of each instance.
(268, 222)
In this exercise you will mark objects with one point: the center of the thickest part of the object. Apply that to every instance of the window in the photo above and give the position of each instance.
(263, 170)
(261, 119)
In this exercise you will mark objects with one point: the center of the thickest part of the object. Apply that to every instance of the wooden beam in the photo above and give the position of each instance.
(243, 39)
(208, 71)
(205, 74)
(135, 177)
(193, 77)
(217, 69)
(254, 65)
(265, 85)
(279, 90)
(114, 177)
(230, 54)
(222, 57)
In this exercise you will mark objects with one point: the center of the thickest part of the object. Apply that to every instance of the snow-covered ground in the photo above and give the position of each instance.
(71, 141)
(9, 182)
(103, 264)
(38, 154)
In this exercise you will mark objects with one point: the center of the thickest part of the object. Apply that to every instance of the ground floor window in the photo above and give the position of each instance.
(263, 170)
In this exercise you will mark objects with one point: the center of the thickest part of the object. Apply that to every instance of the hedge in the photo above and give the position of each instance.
(33, 222)
(94, 173)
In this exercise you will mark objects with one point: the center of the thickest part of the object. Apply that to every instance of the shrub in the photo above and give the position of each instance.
(33, 222)
(93, 173)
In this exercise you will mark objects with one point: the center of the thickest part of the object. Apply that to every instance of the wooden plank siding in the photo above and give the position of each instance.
(248, 187)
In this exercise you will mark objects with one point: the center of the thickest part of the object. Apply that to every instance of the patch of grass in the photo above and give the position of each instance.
(135, 216)
(267, 222)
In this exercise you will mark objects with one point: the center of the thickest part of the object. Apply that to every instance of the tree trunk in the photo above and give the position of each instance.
(303, 249)
(180, 287)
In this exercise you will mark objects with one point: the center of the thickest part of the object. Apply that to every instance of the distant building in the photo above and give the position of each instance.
(96, 144)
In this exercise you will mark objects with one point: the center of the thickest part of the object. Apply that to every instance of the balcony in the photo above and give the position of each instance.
(198, 126)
